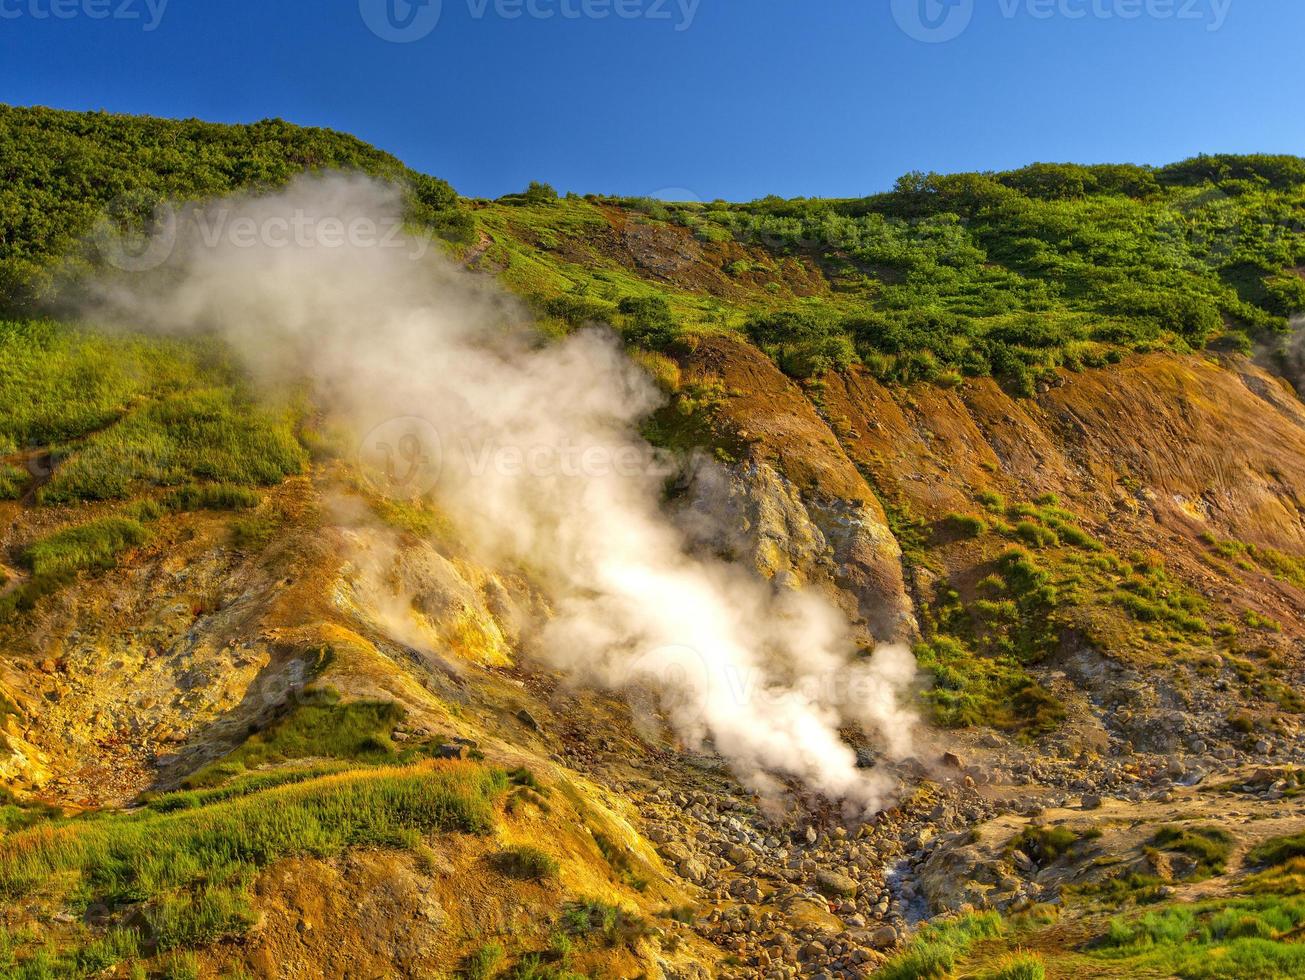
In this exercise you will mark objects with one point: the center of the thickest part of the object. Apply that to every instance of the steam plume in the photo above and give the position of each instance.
(541, 468)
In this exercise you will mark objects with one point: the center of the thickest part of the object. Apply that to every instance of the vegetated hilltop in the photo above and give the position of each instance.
(1012, 418)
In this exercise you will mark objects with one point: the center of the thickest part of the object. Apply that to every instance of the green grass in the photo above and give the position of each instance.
(191, 868)
(1209, 846)
(211, 434)
(526, 862)
(238, 786)
(590, 919)
(483, 963)
(54, 560)
(1019, 966)
(1047, 844)
(16, 814)
(12, 481)
(96, 545)
(210, 496)
(1279, 850)
(936, 950)
(318, 725)
(965, 525)
(1241, 938)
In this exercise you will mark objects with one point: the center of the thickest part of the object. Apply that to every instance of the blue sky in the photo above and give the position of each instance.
(691, 98)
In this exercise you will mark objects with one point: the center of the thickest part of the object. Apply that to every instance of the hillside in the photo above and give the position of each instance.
(261, 716)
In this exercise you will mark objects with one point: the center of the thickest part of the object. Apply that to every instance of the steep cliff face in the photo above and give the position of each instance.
(795, 502)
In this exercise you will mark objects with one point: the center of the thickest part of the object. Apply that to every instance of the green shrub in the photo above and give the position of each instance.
(649, 322)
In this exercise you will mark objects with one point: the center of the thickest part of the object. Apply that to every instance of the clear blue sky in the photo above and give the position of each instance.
(739, 99)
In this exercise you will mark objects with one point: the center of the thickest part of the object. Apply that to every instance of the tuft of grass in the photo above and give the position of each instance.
(965, 525)
(1019, 966)
(527, 863)
(1048, 844)
(483, 963)
(591, 918)
(1279, 850)
(934, 953)
(1210, 846)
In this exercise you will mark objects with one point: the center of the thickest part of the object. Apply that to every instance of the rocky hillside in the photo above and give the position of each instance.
(1035, 425)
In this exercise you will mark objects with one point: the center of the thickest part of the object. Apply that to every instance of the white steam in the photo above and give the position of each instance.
(540, 467)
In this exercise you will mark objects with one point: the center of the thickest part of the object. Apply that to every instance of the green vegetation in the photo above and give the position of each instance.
(526, 862)
(1209, 846)
(1252, 934)
(1047, 577)
(1239, 939)
(1279, 850)
(16, 814)
(116, 414)
(1019, 966)
(219, 496)
(1248, 557)
(206, 434)
(966, 525)
(317, 725)
(12, 481)
(238, 786)
(590, 919)
(483, 963)
(92, 546)
(54, 560)
(1046, 845)
(934, 953)
(1016, 274)
(67, 171)
(191, 868)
